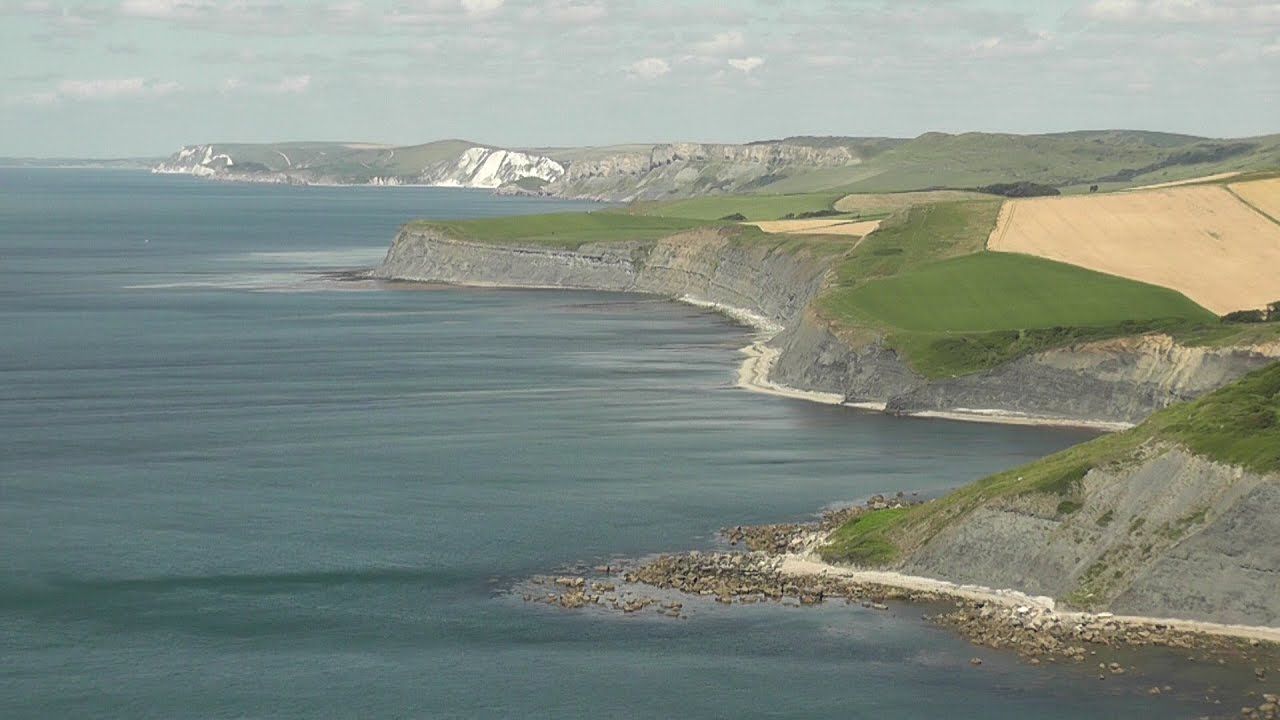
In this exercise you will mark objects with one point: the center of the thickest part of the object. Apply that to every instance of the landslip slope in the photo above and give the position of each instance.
(1175, 518)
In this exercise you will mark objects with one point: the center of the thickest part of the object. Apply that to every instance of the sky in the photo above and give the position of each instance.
(143, 77)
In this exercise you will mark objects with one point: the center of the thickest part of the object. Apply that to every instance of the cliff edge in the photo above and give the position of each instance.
(1107, 383)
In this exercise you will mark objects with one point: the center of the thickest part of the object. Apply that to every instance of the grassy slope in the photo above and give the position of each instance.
(925, 284)
(753, 207)
(995, 291)
(567, 230)
(1072, 160)
(343, 162)
(1238, 425)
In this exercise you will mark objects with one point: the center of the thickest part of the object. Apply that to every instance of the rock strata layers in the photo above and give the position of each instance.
(1106, 383)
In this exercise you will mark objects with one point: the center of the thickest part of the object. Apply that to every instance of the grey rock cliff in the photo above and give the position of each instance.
(1120, 381)
(1174, 535)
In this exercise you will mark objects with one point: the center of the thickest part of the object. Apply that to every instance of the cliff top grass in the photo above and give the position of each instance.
(564, 230)
(925, 284)
(1238, 425)
(751, 207)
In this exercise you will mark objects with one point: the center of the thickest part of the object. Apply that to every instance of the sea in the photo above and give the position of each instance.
(235, 486)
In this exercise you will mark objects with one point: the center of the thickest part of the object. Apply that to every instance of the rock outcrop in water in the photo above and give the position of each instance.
(1115, 381)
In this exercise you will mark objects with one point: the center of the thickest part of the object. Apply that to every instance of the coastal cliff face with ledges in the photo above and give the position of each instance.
(1172, 535)
(1119, 381)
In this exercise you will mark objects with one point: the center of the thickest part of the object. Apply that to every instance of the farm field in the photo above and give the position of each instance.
(752, 207)
(1199, 240)
(1190, 181)
(868, 204)
(1000, 291)
(1262, 194)
(824, 226)
(567, 230)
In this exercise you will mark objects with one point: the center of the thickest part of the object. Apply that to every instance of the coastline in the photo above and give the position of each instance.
(753, 375)
(806, 564)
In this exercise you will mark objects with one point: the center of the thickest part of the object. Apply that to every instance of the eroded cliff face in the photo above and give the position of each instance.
(1170, 535)
(1112, 382)
(705, 265)
(688, 169)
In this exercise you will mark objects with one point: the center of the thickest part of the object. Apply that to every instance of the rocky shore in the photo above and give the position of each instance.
(775, 564)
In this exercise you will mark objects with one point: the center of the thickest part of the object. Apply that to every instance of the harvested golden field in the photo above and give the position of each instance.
(893, 202)
(1199, 240)
(819, 226)
(1189, 181)
(1262, 194)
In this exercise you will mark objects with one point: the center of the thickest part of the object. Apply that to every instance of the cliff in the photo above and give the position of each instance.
(1108, 383)
(686, 169)
(1173, 518)
(705, 264)
(1171, 534)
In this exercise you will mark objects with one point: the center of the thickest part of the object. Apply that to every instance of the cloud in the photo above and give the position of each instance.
(650, 68)
(1113, 10)
(573, 12)
(1005, 47)
(293, 85)
(163, 9)
(721, 43)
(289, 85)
(1182, 12)
(120, 88)
(481, 8)
(747, 64)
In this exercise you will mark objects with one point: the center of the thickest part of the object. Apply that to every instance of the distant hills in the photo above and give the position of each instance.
(112, 163)
(1071, 162)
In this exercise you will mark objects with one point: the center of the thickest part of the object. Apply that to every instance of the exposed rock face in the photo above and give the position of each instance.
(488, 168)
(814, 358)
(702, 264)
(1173, 535)
(683, 169)
(198, 160)
(475, 167)
(654, 171)
(1121, 381)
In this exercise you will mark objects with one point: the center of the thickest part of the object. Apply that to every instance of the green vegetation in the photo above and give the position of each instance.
(750, 207)
(1069, 507)
(998, 291)
(1113, 158)
(567, 230)
(861, 539)
(1238, 425)
(924, 282)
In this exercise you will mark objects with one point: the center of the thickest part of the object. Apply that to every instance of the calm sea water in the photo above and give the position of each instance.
(231, 488)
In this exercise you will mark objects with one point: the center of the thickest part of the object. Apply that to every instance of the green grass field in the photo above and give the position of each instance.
(1238, 425)
(924, 283)
(568, 230)
(1001, 291)
(753, 207)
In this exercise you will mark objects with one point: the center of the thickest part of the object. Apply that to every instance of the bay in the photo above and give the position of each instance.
(233, 487)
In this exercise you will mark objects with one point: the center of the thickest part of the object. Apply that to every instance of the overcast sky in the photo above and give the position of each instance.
(142, 77)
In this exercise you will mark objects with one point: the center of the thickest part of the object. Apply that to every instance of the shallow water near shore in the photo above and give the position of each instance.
(233, 487)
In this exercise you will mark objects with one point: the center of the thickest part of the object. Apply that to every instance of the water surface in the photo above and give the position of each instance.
(230, 488)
